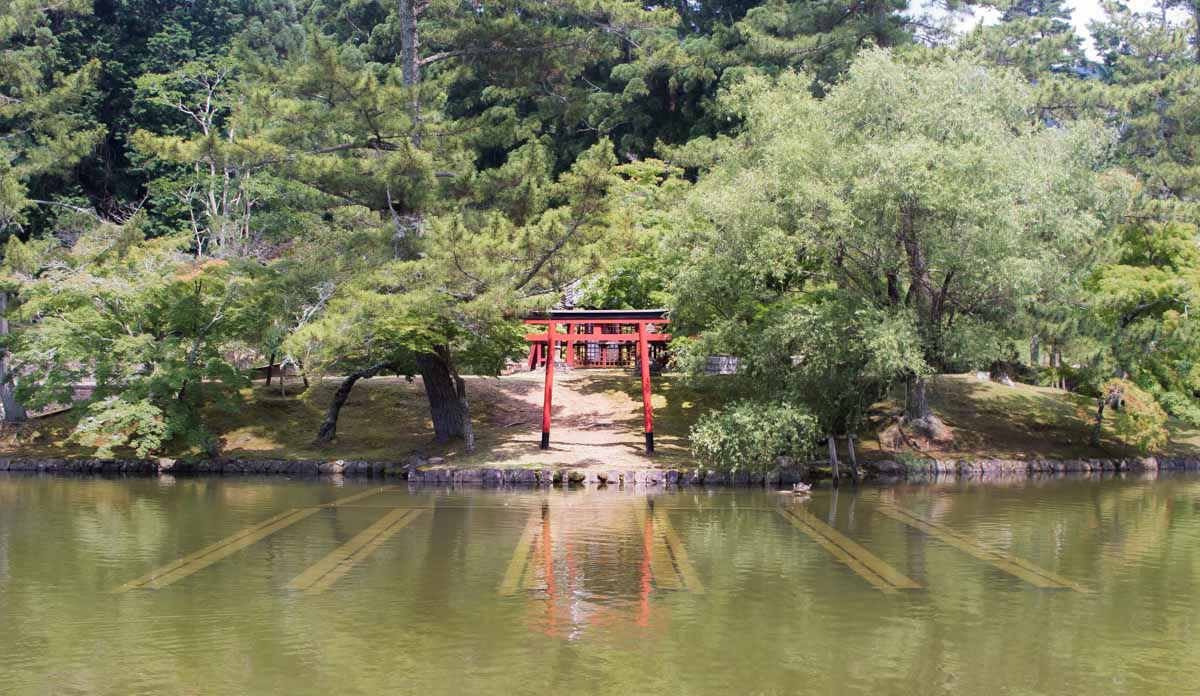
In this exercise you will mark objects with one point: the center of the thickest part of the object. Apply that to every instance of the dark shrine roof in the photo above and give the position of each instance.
(606, 314)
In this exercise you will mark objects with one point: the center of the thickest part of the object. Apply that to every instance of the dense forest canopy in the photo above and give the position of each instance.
(847, 196)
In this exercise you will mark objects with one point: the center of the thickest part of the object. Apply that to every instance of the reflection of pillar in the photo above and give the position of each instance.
(647, 549)
(644, 356)
(547, 396)
(548, 564)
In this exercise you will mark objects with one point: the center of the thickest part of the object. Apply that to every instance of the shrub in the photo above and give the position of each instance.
(1179, 405)
(914, 462)
(1141, 422)
(750, 435)
(114, 422)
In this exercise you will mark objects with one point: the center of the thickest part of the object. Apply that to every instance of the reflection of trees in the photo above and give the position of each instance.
(422, 615)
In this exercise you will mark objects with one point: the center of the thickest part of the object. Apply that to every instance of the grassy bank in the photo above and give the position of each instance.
(597, 421)
(989, 419)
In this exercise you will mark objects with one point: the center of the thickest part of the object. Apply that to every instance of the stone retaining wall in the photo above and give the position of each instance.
(1012, 467)
(418, 470)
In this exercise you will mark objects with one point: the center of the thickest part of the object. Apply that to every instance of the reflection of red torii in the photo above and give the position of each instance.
(589, 327)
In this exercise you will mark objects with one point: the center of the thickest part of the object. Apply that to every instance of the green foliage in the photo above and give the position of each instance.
(914, 461)
(1151, 95)
(44, 126)
(1033, 36)
(1142, 301)
(750, 435)
(114, 422)
(891, 229)
(185, 182)
(144, 322)
(1140, 422)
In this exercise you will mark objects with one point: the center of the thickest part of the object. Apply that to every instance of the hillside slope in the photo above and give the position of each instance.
(990, 419)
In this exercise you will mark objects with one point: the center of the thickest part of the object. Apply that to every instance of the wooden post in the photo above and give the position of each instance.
(853, 460)
(547, 399)
(833, 462)
(533, 351)
(648, 414)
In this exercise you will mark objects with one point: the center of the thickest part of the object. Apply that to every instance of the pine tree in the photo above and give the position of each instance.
(1152, 96)
(1033, 36)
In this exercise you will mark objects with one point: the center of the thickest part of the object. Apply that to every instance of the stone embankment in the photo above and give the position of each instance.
(973, 468)
(417, 469)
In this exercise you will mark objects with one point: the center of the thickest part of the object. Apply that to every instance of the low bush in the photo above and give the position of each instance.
(750, 435)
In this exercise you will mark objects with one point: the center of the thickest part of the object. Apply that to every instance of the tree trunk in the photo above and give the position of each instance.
(447, 392)
(917, 408)
(409, 46)
(410, 62)
(14, 412)
(833, 460)
(1100, 404)
(1112, 398)
(270, 365)
(1035, 351)
(328, 429)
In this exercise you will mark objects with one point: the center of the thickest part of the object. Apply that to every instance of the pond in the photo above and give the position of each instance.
(242, 585)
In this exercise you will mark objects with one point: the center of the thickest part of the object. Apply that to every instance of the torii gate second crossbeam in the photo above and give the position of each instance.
(597, 332)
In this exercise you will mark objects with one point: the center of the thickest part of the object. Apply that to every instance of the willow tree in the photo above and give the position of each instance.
(926, 192)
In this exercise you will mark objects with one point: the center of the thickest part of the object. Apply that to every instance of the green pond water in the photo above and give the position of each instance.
(241, 585)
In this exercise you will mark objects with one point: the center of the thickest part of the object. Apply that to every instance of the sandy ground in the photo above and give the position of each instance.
(596, 420)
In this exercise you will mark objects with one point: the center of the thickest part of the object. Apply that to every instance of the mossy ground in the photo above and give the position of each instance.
(597, 421)
(990, 419)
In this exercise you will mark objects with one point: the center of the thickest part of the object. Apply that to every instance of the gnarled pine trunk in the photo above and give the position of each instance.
(447, 392)
(1110, 397)
(328, 429)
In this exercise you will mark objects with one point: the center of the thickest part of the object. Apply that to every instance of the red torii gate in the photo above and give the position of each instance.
(598, 329)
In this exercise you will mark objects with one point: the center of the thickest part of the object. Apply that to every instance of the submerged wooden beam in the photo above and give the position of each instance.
(195, 562)
(662, 569)
(1013, 565)
(877, 572)
(327, 571)
(679, 554)
(199, 560)
(521, 555)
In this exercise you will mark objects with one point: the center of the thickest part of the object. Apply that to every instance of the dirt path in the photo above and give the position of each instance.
(596, 421)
